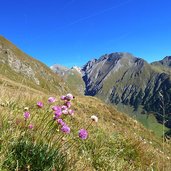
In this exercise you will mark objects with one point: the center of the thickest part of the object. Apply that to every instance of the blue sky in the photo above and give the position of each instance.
(72, 32)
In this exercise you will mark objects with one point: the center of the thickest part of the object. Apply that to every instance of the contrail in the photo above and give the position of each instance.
(100, 12)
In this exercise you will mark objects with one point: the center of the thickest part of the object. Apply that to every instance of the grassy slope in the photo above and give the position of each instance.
(148, 120)
(49, 81)
(116, 142)
(75, 81)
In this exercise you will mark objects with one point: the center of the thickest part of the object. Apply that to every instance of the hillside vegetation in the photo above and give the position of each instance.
(20, 67)
(116, 142)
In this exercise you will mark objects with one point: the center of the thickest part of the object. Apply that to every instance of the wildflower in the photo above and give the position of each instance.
(69, 96)
(56, 108)
(71, 112)
(55, 117)
(40, 104)
(65, 129)
(68, 104)
(26, 115)
(63, 97)
(83, 134)
(65, 112)
(94, 118)
(64, 107)
(61, 122)
(30, 126)
(58, 112)
(51, 99)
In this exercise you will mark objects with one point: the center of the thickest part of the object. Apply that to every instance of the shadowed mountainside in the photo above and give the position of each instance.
(121, 78)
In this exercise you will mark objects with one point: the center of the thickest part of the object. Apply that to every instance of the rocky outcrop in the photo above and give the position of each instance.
(18, 66)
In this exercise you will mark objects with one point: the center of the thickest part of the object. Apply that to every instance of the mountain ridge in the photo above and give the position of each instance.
(122, 78)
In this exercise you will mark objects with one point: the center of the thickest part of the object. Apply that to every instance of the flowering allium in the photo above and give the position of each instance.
(30, 126)
(69, 96)
(71, 112)
(51, 99)
(68, 104)
(94, 118)
(26, 115)
(83, 134)
(61, 122)
(40, 104)
(65, 129)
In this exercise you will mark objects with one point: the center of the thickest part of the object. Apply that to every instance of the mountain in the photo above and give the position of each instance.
(165, 62)
(20, 68)
(123, 79)
(71, 76)
(115, 142)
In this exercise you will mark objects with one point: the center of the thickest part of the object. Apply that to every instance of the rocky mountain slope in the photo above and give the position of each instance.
(121, 78)
(71, 76)
(165, 62)
(17, 66)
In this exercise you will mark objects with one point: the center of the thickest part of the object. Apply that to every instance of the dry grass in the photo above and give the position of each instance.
(116, 142)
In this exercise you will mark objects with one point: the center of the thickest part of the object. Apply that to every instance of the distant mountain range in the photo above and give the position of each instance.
(121, 78)
(71, 76)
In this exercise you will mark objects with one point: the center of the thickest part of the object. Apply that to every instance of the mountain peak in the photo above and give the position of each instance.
(166, 61)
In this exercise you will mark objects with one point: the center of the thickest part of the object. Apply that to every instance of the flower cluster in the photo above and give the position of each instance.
(60, 112)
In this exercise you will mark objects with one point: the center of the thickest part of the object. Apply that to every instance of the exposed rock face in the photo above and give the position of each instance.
(19, 66)
(122, 78)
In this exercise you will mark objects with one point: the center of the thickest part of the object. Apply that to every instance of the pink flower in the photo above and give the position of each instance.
(65, 129)
(83, 134)
(63, 97)
(61, 122)
(26, 115)
(68, 104)
(56, 108)
(57, 114)
(65, 112)
(51, 99)
(55, 117)
(69, 96)
(64, 107)
(71, 112)
(40, 104)
(30, 126)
